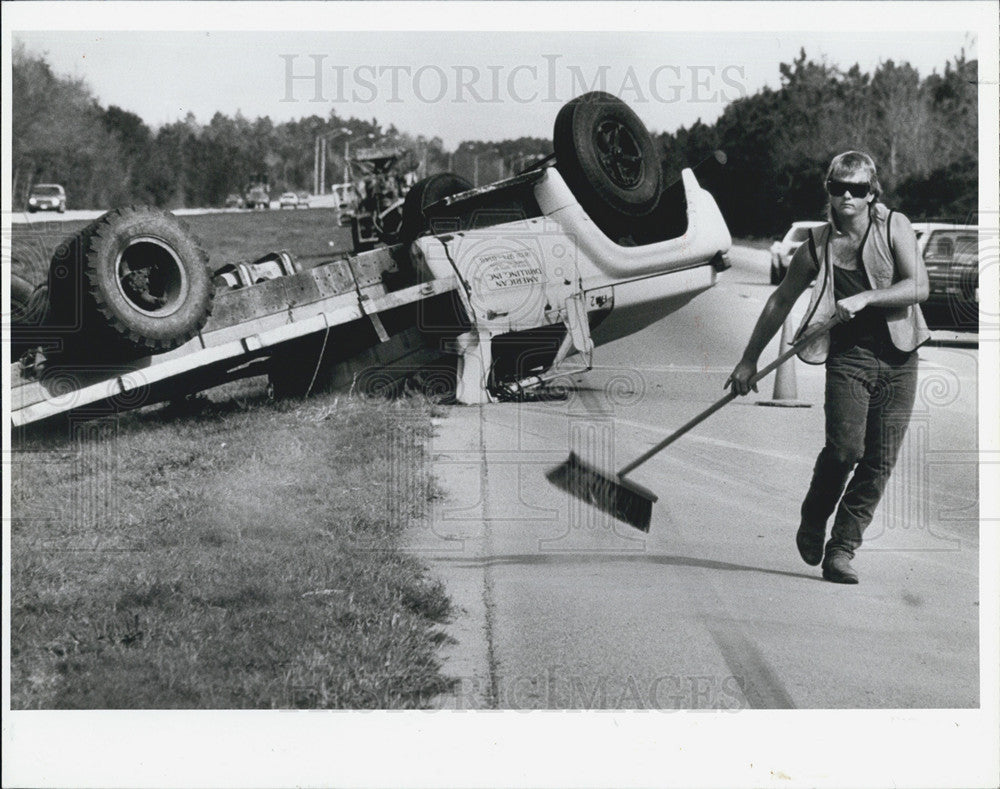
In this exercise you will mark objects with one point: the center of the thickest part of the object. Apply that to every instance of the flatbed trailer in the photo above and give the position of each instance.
(246, 330)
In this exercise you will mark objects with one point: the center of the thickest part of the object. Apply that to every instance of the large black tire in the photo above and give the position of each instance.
(607, 157)
(422, 194)
(136, 280)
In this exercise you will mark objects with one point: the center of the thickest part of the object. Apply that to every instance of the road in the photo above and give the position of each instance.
(713, 608)
(86, 214)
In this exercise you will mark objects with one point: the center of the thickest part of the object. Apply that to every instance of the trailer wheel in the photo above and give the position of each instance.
(422, 194)
(607, 156)
(140, 279)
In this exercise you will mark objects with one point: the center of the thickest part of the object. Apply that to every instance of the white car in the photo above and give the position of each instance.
(47, 197)
(782, 251)
(289, 200)
(951, 255)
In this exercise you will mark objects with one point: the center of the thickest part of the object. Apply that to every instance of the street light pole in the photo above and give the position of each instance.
(319, 162)
(322, 166)
(315, 189)
(475, 165)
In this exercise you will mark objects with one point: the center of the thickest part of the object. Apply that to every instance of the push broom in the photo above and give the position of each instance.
(627, 500)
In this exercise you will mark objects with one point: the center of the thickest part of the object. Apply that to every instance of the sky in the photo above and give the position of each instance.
(457, 85)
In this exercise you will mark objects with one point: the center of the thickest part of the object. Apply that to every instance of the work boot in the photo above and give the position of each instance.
(810, 543)
(837, 568)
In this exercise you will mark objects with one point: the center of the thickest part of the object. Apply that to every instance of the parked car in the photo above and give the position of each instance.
(782, 251)
(47, 197)
(288, 200)
(951, 255)
(303, 199)
(234, 201)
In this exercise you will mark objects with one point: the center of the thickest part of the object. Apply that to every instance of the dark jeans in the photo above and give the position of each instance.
(868, 406)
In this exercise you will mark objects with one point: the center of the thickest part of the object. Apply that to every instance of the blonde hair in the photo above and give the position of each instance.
(851, 163)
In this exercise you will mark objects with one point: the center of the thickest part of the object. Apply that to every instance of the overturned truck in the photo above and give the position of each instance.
(515, 282)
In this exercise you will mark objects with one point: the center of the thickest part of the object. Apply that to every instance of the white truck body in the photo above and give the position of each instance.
(557, 269)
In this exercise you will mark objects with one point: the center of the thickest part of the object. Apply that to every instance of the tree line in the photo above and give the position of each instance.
(923, 133)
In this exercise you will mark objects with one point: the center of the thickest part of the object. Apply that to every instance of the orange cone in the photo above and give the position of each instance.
(786, 392)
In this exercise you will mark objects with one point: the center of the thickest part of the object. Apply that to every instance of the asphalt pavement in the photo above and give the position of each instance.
(563, 608)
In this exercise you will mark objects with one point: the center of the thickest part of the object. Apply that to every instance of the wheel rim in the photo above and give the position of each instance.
(619, 154)
(151, 277)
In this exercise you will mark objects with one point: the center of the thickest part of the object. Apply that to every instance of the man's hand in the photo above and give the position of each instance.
(852, 305)
(740, 377)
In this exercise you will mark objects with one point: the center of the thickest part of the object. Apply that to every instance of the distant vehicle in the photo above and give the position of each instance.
(47, 197)
(288, 200)
(234, 201)
(379, 212)
(782, 251)
(258, 197)
(304, 199)
(951, 256)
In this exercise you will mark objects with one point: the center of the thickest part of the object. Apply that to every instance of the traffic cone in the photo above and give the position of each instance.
(786, 392)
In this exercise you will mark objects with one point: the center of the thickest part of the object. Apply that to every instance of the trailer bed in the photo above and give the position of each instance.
(246, 325)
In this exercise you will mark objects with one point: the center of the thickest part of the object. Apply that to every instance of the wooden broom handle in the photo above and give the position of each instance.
(792, 350)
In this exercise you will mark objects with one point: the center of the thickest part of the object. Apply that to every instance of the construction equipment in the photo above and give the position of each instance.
(380, 209)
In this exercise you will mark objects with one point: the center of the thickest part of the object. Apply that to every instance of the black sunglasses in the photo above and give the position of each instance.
(838, 188)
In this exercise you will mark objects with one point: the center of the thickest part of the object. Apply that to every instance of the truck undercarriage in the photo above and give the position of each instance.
(516, 283)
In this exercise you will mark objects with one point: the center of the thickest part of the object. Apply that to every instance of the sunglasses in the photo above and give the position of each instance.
(838, 188)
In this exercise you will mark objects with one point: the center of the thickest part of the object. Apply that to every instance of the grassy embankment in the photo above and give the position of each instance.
(226, 237)
(244, 555)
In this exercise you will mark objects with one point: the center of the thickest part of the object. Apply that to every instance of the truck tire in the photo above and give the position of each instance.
(134, 280)
(607, 157)
(422, 194)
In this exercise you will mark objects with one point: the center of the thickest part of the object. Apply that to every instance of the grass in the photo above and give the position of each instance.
(246, 555)
(227, 237)
(226, 551)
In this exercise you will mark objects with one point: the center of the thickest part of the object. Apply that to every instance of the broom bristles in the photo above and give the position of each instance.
(621, 498)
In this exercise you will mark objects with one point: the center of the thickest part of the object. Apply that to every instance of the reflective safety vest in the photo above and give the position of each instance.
(907, 328)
